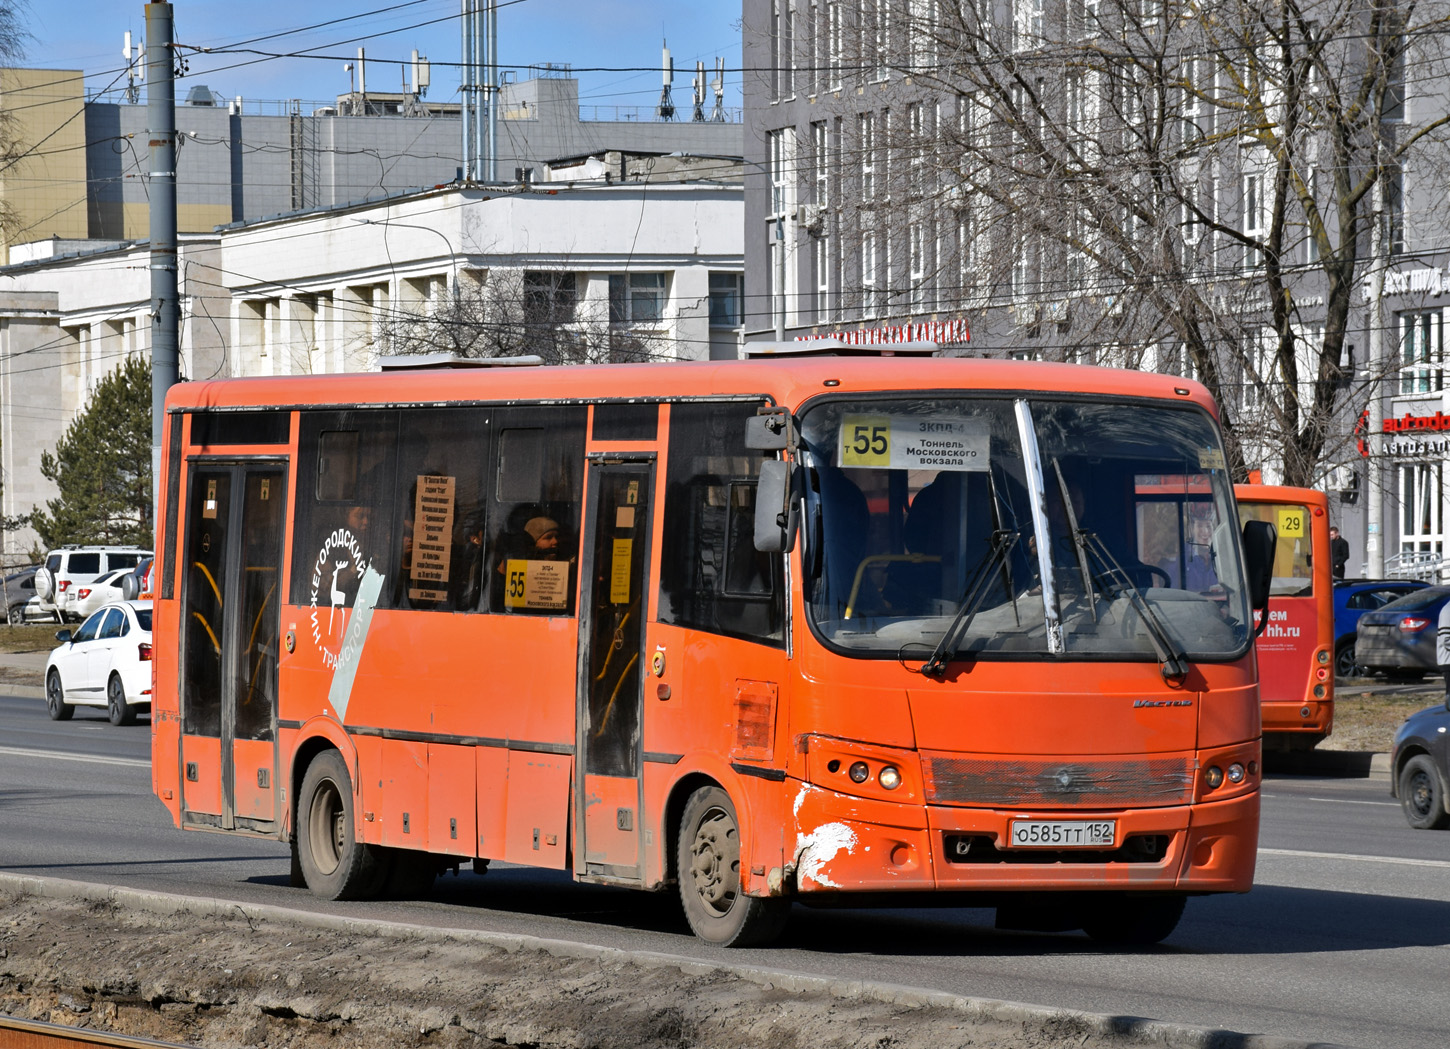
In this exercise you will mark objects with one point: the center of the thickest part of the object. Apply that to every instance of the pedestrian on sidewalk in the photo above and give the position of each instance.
(1338, 552)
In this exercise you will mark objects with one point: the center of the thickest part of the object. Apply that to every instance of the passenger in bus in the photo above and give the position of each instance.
(1198, 571)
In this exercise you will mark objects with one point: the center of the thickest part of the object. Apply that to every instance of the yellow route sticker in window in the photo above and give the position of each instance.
(536, 584)
(1210, 459)
(1293, 522)
(866, 440)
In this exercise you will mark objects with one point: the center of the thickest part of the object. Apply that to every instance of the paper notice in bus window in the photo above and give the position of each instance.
(914, 442)
(1291, 522)
(209, 509)
(1210, 459)
(619, 572)
(536, 584)
(432, 538)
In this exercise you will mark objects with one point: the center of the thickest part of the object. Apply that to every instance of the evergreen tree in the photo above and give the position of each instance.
(102, 465)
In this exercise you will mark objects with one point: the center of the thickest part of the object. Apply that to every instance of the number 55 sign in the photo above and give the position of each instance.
(912, 442)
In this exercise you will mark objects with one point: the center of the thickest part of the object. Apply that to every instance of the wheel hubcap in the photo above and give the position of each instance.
(715, 864)
(327, 827)
(1419, 794)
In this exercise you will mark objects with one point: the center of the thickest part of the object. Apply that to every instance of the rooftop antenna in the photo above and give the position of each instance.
(422, 74)
(718, 84)
(135, 68)
(667, 105)
(699, 85)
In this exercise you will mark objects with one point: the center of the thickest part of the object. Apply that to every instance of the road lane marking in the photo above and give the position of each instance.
(57, 755)
(1331, 801)
(1403, 861)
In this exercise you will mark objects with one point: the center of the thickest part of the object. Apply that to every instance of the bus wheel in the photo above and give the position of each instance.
(335, 864)
(55, 704)
(1133, 921)
(708, 863)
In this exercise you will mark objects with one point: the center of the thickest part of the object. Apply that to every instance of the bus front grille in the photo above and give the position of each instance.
(956, 780)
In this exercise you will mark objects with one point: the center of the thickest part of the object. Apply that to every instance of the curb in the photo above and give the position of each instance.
(1128, 1030)
(1362, 764)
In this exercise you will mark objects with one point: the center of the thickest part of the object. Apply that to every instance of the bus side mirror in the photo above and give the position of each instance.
(775, 516)
(1260, 539)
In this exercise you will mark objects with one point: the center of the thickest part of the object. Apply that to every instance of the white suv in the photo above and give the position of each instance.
(68, 566)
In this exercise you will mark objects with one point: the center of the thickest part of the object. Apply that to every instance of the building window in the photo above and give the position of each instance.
(1395, 210)
(1422, 508)
(727, 297)
(549, 298)
(870, 293)
(1421, 352)
(867, 146)
(636, 298)
(1256, 217)
(823, 261)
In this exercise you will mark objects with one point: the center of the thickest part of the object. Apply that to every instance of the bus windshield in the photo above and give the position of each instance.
(1020, 527)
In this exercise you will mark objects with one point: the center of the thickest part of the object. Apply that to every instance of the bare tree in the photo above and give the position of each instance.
(516, 312)
(1198, 179)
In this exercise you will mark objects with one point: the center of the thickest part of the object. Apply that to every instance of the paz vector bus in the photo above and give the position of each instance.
(803, 630)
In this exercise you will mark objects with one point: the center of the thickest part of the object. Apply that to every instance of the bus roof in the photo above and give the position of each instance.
(789, 382)
(1280, 494)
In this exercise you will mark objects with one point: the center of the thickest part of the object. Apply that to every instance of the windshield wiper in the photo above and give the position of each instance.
(1002, 540)
(1169, 654)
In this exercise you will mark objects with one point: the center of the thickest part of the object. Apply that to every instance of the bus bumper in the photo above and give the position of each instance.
(849, 844)
(1313, 718)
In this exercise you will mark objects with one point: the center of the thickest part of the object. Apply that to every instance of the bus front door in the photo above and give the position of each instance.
(608, 800)
(231, 623)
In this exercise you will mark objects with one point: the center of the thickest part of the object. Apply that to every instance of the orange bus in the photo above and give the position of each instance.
(818, 630)
(1296, 646)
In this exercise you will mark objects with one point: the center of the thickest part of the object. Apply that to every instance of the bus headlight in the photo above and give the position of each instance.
(1235, 773)
(1214, 776)
(889, 777)
(859, 772)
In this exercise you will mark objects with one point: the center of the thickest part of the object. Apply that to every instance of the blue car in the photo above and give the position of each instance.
(1352, 599)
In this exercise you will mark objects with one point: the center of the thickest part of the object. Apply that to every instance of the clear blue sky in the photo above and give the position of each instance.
(87, 35)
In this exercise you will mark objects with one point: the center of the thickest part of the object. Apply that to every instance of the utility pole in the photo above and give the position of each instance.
(165, 307)
(1374, 540)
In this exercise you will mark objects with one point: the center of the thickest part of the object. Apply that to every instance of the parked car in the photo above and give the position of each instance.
(84, 598)
(1398, 639)
(1420, 768)
(1352, 599)
(70, 565)
(19, 590)
(105, 662)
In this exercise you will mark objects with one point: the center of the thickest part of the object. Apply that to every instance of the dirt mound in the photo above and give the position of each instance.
(243, 978)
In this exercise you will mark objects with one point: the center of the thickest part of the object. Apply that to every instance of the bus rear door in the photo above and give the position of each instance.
(230, 612)
(609, 799)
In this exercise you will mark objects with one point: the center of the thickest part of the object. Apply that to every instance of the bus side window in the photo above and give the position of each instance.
(442, 457)
(531, 554)
(343, 522)
(711, 576)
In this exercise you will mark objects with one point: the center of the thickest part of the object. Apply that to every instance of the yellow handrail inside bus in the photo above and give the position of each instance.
(866, 562)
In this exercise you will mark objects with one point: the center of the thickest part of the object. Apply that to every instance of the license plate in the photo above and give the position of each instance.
(1062, 834)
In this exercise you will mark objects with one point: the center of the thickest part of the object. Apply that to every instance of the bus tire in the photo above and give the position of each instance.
(1422, 796)
(1133, 920)
(55, 704)
(335, 864)
(707, 856)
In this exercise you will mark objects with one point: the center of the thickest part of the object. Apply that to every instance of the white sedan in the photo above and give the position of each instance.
(84, 598)
(105, 662)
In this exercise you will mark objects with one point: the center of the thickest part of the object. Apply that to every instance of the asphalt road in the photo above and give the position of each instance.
(1345, 938)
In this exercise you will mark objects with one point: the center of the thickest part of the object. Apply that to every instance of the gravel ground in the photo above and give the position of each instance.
(209, 974)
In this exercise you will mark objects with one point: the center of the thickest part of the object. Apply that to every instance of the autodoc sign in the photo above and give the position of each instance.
(1418, 434)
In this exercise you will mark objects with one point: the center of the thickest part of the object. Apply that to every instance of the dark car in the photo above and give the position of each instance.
(1352, 599)
(1420, 763)
(1398, 639)
(19, 589)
